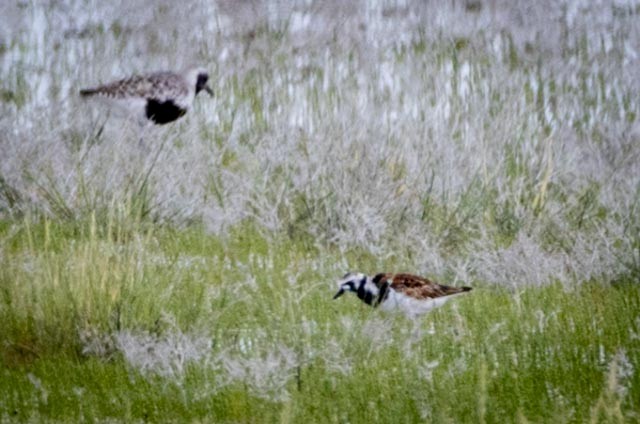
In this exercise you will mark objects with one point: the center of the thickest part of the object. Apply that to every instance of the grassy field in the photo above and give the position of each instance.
(149, 324)
(490, 144)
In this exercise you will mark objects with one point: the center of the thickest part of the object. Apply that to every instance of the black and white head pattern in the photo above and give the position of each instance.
(363, 287)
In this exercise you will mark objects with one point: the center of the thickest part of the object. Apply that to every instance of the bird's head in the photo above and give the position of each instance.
(350, 282)
(198, 78)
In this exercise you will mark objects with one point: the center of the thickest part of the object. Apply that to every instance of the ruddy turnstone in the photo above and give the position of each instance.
(409, 293)
(160, 97)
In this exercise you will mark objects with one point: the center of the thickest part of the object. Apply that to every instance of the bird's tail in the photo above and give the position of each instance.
(466, 289)
(85, 92)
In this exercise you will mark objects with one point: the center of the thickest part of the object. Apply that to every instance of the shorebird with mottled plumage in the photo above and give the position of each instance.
(408, 293)
(157, 98)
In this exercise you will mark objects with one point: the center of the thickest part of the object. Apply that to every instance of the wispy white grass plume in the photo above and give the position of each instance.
(168, 355)
(265, 373)
(525, 259)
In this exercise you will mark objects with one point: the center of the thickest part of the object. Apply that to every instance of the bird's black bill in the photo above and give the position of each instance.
(340, 293)
(208, 90)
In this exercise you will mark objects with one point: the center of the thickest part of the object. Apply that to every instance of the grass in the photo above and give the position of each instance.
(179, 325)
(191, 279)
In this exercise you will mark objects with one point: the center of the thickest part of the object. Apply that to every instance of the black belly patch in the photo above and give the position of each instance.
(163, 112)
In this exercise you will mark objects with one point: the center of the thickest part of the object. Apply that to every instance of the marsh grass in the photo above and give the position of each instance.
(189, 277)
(175, 325)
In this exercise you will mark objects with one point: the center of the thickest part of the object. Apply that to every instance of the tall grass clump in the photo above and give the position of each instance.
(185, 272)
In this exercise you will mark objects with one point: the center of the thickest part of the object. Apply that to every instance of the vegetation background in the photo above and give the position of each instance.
(487, 143)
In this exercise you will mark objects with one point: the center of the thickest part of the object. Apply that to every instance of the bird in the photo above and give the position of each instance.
(411, 294)
(157, 98)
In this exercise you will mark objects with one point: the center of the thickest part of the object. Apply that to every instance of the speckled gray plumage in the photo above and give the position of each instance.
(160, 97)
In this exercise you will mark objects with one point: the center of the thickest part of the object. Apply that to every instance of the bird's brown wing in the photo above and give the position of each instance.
(418, 287)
